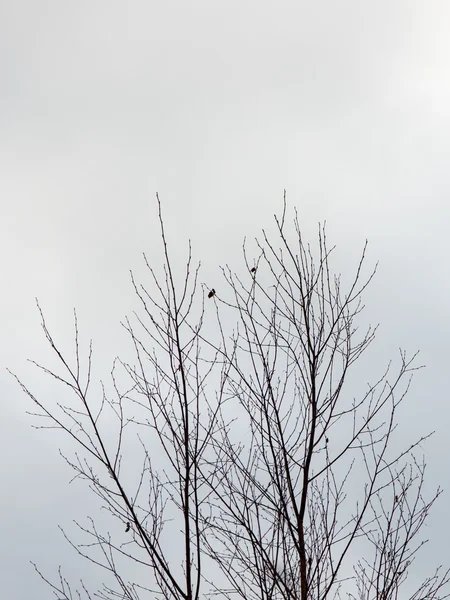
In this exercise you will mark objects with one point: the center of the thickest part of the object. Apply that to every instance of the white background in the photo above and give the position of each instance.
(218, 106)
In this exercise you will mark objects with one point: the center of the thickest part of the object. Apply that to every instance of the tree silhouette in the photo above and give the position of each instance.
(261, 475)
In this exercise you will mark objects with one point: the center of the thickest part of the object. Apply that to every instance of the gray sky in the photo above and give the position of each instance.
(218, 107)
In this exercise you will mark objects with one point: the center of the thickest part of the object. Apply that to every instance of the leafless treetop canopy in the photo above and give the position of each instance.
(234, 457)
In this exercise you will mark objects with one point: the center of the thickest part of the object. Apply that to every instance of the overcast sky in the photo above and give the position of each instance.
(219, 107)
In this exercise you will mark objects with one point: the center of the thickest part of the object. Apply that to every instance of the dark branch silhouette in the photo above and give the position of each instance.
(245, 462)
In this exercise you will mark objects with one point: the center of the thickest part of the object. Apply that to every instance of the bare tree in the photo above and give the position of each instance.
(282, 482)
